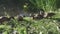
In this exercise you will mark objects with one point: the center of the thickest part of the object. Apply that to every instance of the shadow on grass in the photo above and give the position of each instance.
(58, 19)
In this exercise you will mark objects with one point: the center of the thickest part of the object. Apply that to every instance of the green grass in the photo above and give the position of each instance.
(43, 26)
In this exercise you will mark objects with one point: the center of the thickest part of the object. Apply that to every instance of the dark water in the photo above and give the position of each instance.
(10, 11)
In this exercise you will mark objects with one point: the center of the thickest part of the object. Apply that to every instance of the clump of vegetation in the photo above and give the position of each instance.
(44, 26)
(47, 5)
